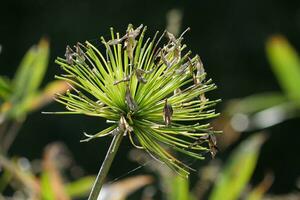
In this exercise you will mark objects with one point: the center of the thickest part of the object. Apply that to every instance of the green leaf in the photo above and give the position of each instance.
(256, 103)
(238, 170)
(46, 188)
(180, 188)
(81, 187)
(31, 70)
(28, 79)
(285, 64)
(5, 88)
(5, 179)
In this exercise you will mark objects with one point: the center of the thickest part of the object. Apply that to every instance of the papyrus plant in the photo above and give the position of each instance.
(151, 90)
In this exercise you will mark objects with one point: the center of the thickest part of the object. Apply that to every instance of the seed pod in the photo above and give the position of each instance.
(69, 55)
(130, 41)
(210, 138)
(116, 41)
(123, 127)
(139, 75)
(167, 113)
(129, 100)
(80, 56)
(200, 71)
(212, 143)
(183, 67)
(174, 46)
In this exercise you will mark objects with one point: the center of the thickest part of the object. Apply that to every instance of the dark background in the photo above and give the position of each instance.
(229, 36)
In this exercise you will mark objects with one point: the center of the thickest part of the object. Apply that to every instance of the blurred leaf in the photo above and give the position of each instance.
(180, 188)
(47, 94)
(258, 111)
(238, 170)
(285, 63)
(174, 185)
(255, 103)
(273, 115)
(121, 189)
(258, 192)
(81, 187)
(27, 179)
(52, 181)
(5, 179)
(5, 88)
(47, 192)
(27, 80)
(31, 70)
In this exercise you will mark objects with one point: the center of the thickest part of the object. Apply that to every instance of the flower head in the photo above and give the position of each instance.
(149, 90)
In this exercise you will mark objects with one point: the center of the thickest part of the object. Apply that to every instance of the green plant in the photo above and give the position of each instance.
(50, 181)
(239, 169)
(269, 108)
(22, 94)
(226, 180)
(155, 95)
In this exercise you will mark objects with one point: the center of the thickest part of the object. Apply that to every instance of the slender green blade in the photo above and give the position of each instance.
(180, 188)
(31, 70)
(285, 64)
(28, 79)
(238, 170)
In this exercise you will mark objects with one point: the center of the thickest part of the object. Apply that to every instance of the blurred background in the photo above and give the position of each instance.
(234, 40)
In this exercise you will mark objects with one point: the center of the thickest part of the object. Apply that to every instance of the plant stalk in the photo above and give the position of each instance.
(110, 155)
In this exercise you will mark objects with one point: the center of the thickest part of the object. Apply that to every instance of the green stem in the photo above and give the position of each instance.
(110, 155)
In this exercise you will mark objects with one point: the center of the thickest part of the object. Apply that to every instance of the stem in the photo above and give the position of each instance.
(11, 134)
(110, 155)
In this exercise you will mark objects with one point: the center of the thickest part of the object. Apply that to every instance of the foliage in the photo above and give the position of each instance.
(238, 171)
(21, 95)
(51, 184)
(285, 63)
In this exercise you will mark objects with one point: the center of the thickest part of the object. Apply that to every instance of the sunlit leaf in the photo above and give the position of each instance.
(31, 70)
(81, 187)
(46, 188)
(238, 170)
(255, 103)
(180, 189)
(260, 111)
(28, 79)
(285, 63)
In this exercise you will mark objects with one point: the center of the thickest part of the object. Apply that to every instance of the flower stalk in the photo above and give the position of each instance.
(110, 155)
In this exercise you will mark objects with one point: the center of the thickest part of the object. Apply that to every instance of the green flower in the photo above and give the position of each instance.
(146, 89)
